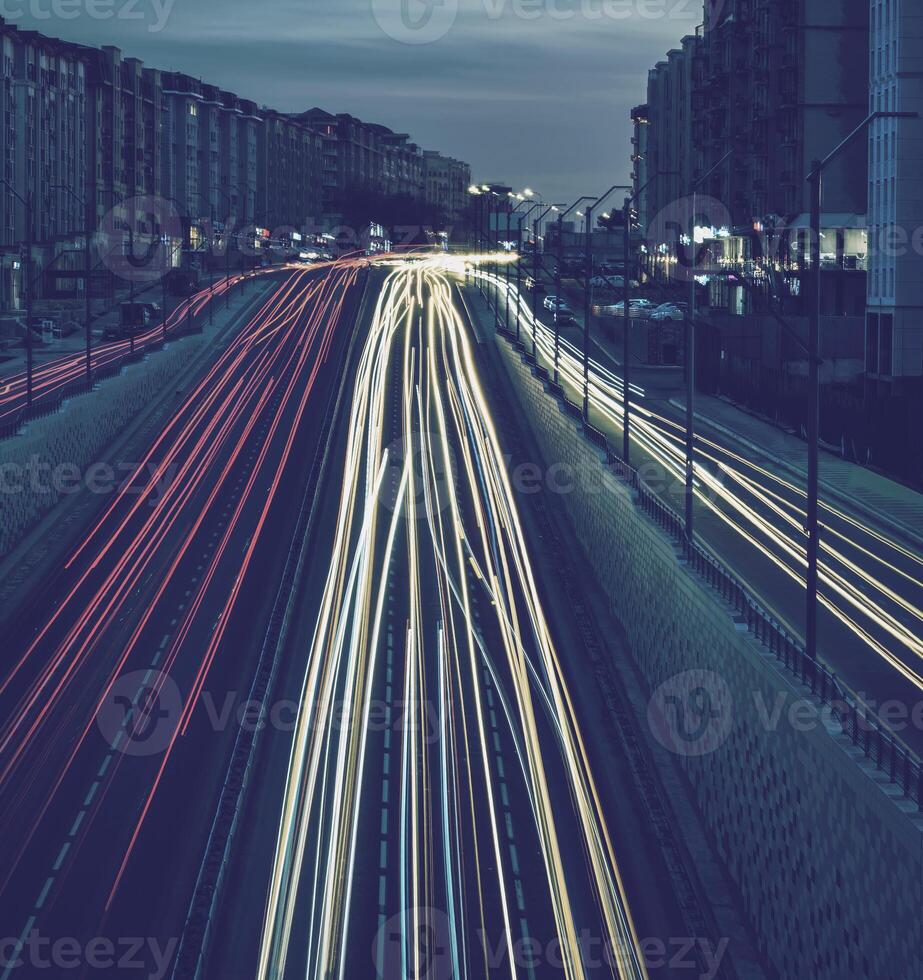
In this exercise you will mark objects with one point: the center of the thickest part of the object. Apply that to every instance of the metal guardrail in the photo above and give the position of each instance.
(865, 730)
(45, 405)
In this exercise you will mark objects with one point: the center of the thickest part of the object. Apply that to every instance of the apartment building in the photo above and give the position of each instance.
(894, 319)
(90, 131)
(43, 100)
(359, 155)
(446, 182)
(762, 89)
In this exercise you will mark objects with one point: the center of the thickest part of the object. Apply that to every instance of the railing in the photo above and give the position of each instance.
(49, 404)
(858, 722)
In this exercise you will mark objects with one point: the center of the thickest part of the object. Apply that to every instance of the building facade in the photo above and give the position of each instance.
(446, 184)
(92, 135)
(763, 88)
(894, 319)
(43, 99)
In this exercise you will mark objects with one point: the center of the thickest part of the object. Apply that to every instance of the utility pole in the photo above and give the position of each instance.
(536, 227)
(26, 279)
(588, 296)
(812, 529)
(557, 277)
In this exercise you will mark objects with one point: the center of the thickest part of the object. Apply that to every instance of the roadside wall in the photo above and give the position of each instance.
(826, 855)
(53, 455)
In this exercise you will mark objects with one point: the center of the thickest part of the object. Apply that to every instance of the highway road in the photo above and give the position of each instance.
(443, 812)
(752, 517)
(113, 745)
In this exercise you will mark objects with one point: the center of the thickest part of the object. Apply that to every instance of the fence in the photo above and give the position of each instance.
(858, 722)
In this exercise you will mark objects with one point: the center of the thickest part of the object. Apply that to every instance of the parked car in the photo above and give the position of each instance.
(638, 307)
(558, 306)
(667, 311)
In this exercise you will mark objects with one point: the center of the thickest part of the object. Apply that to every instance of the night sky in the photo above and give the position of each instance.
(533, 92)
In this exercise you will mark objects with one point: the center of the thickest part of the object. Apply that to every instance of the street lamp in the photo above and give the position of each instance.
(588, 296)
(690, 355)
(626, 300)
(26, 202)
(812, 529)
(87, 271)
(525, 215)
(557, 277)
(536, 225)
(509, 214)
(227, 255)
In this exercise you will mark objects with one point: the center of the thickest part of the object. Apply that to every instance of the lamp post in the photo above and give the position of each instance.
(626, 299)
(588, 296)
(87, 271)
(525, 215)
(557, 276)
(536, 225)
(227, 257)
(812, 528)
(26, 202)
(509, 214)
(690, 358)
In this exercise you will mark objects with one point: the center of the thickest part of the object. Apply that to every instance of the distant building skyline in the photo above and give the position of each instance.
(542, 99)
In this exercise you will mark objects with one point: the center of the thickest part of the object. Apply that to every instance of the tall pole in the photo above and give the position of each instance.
(557, 277)
(815, 180)
(813, 529)
(690, 386)
(587, 305)
(536, 226)
(87, 295)
(557, 292)
(519, 277)
(28, 270)
(506, 272)
(163, 312)
(626, 338)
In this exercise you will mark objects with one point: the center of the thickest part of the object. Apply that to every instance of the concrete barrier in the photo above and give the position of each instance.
(825, 851)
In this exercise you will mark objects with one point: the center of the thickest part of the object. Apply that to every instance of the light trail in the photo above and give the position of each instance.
(203, 493)
(763, 509)
(470, 604)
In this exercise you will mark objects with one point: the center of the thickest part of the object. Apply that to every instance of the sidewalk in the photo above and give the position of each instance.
(852, 486)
